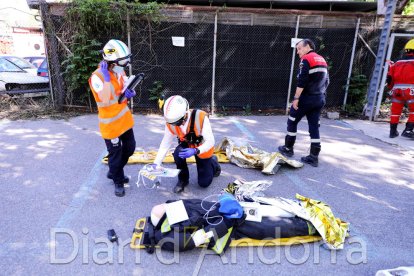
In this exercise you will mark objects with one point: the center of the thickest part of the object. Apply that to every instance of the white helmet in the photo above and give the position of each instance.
(115, 51)
(175, 109)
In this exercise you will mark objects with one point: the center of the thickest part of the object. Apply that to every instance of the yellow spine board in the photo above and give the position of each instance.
(245, 242)
(148, 157)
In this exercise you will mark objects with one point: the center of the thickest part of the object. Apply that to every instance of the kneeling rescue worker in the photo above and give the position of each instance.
(195, 138)
(115, 119)
(400, 79)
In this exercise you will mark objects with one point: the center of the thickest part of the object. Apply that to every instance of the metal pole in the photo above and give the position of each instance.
(129, 46)
(366, 44)
(46, 52)
(351, 63)
(213, 81)
(386, 66)
(292, 66)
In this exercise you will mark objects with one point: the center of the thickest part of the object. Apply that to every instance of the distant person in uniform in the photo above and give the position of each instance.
(400, 79)
(309, 99)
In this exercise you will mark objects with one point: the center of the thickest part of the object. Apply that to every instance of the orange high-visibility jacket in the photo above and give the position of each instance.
(198, 127)
(114, 118)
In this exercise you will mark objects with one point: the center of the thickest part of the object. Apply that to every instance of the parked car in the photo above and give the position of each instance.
(12, 77)
(43, 71)
(36, 61)
(22, 63)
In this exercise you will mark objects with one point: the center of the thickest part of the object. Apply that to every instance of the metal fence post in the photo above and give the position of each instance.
(41, 13)
(292, 66)
(213, 81)
(53, 55)
(351, 63)
(129, 46)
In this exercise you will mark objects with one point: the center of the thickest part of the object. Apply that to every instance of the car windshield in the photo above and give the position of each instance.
(43, 65)
(22, 63)
(7, 66)
(37, 61)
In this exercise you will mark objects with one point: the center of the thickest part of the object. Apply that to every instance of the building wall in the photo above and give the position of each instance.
(20, 32)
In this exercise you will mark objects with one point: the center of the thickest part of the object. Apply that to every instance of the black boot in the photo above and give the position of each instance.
(312, 158)
(287, 149)
(119, 190)
(179, 188)
(216, 166)
(408, 131)
(393, 130)
(109, 175)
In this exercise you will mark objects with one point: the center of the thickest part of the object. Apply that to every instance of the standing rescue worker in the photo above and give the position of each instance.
(400, 79)
(195, 138)
(309, 99)
(115, 119)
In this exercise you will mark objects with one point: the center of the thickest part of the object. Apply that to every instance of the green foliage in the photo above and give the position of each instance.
(156, 91)
(247, 110)
(322, 46)
(88, 23)
(80, 65)
(357, 93)
(409, 8)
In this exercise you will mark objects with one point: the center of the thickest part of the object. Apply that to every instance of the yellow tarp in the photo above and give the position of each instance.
(244, 155)
(333, 230)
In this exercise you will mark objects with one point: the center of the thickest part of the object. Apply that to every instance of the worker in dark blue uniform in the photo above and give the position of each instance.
(309, 99)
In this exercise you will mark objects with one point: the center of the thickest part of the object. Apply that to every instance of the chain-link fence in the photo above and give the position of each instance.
(246, 63)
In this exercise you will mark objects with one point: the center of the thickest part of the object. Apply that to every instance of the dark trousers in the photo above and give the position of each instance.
(120, 149)
(205, 168)
(309, 106)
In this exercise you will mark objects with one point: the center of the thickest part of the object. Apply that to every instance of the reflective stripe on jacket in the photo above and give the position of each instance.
(313, 74)
(114, 119)
(198, 127)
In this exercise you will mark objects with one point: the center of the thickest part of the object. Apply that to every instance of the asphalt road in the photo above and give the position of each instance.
(56, 203)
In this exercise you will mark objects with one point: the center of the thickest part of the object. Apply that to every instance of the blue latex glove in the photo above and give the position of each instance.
(187, 153)
(129, 93)
(104, 70)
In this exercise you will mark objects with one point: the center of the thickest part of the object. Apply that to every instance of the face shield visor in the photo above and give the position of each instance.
(123, 61)
(179, 122)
